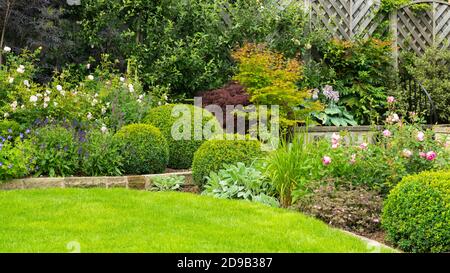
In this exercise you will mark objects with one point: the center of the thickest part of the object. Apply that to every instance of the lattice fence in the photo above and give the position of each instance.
(413, 30)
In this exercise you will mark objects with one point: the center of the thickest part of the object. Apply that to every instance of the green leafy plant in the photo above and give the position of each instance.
(431, 70)
(211, 156)
(167, 183)
(57, 151)
(238, 181)
(292, 167)
(16, 158)
(416, 215)
(100, 155)
(333, 114)
(143, 148)
(181, 146)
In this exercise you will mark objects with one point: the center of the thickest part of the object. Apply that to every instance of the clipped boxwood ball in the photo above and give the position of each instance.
(416, 215)
(176, 122)
(214, 153)
(143, 148)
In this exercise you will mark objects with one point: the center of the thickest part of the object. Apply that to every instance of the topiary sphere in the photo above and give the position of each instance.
(214, 153)
(183, 134)
(416, 214)
(144, 149)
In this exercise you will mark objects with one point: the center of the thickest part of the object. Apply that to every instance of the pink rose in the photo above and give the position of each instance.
(423, 155)
(390, 99)
(335, 138)
(431, 156)
(326, 160)
(335, 145)
(363, 146)
(387, 133)
(420, 136)
(353, 159)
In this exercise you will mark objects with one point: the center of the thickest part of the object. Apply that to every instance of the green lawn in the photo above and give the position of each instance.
(136, 221)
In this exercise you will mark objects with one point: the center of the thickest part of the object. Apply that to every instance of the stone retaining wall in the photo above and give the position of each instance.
(139, 182)
(358, 134)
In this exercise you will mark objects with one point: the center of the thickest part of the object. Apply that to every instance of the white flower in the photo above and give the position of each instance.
(38, 95)
(48, 92)
(26, 83)
(11, 80)
(6, 115)
(131, 88)
(89, 116)
(45, 105)
(104, 129)
(63, 93)
(21, 69)
(22, 106)
(7, 49)
(46, 99)
(90, 77)
(96, 95)
(94, 102)
(103, 110)
(33, 98)
(139, 100)
(55, 103)
(165, 97)
(88, 66)
(14, 106)
(122, 79)
(59, 88)
(141, 97)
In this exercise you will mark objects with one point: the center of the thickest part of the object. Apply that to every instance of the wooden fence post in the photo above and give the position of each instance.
(394, 31)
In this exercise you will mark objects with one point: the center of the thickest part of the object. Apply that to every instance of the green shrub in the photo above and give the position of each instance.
(416, 215)
(9, 128)
(101, 155)
(181, 150)
(143, 148)
(16, 159)
(211, 156)
(57, 151)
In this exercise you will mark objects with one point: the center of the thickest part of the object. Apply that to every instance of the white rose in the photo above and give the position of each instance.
(21, 69)
(90, 77)
(7, 49)
(131, 88)
(33, 98)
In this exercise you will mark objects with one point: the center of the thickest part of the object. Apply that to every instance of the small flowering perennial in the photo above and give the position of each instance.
(330, 94)
(21, 69)
(326, 160)
(390, 99)
(420, 136)
(387, 133)
(363, 146)
(6, 49)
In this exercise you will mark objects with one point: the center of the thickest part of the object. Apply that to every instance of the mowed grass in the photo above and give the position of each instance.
(119, 220)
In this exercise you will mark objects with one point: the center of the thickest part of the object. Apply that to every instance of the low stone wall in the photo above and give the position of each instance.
(359, 134)
(138, 182)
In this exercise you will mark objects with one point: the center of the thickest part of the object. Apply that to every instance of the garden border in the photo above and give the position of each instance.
(138, 182)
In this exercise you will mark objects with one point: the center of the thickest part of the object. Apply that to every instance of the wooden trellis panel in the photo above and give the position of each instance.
(346, 18)
(418, 30)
